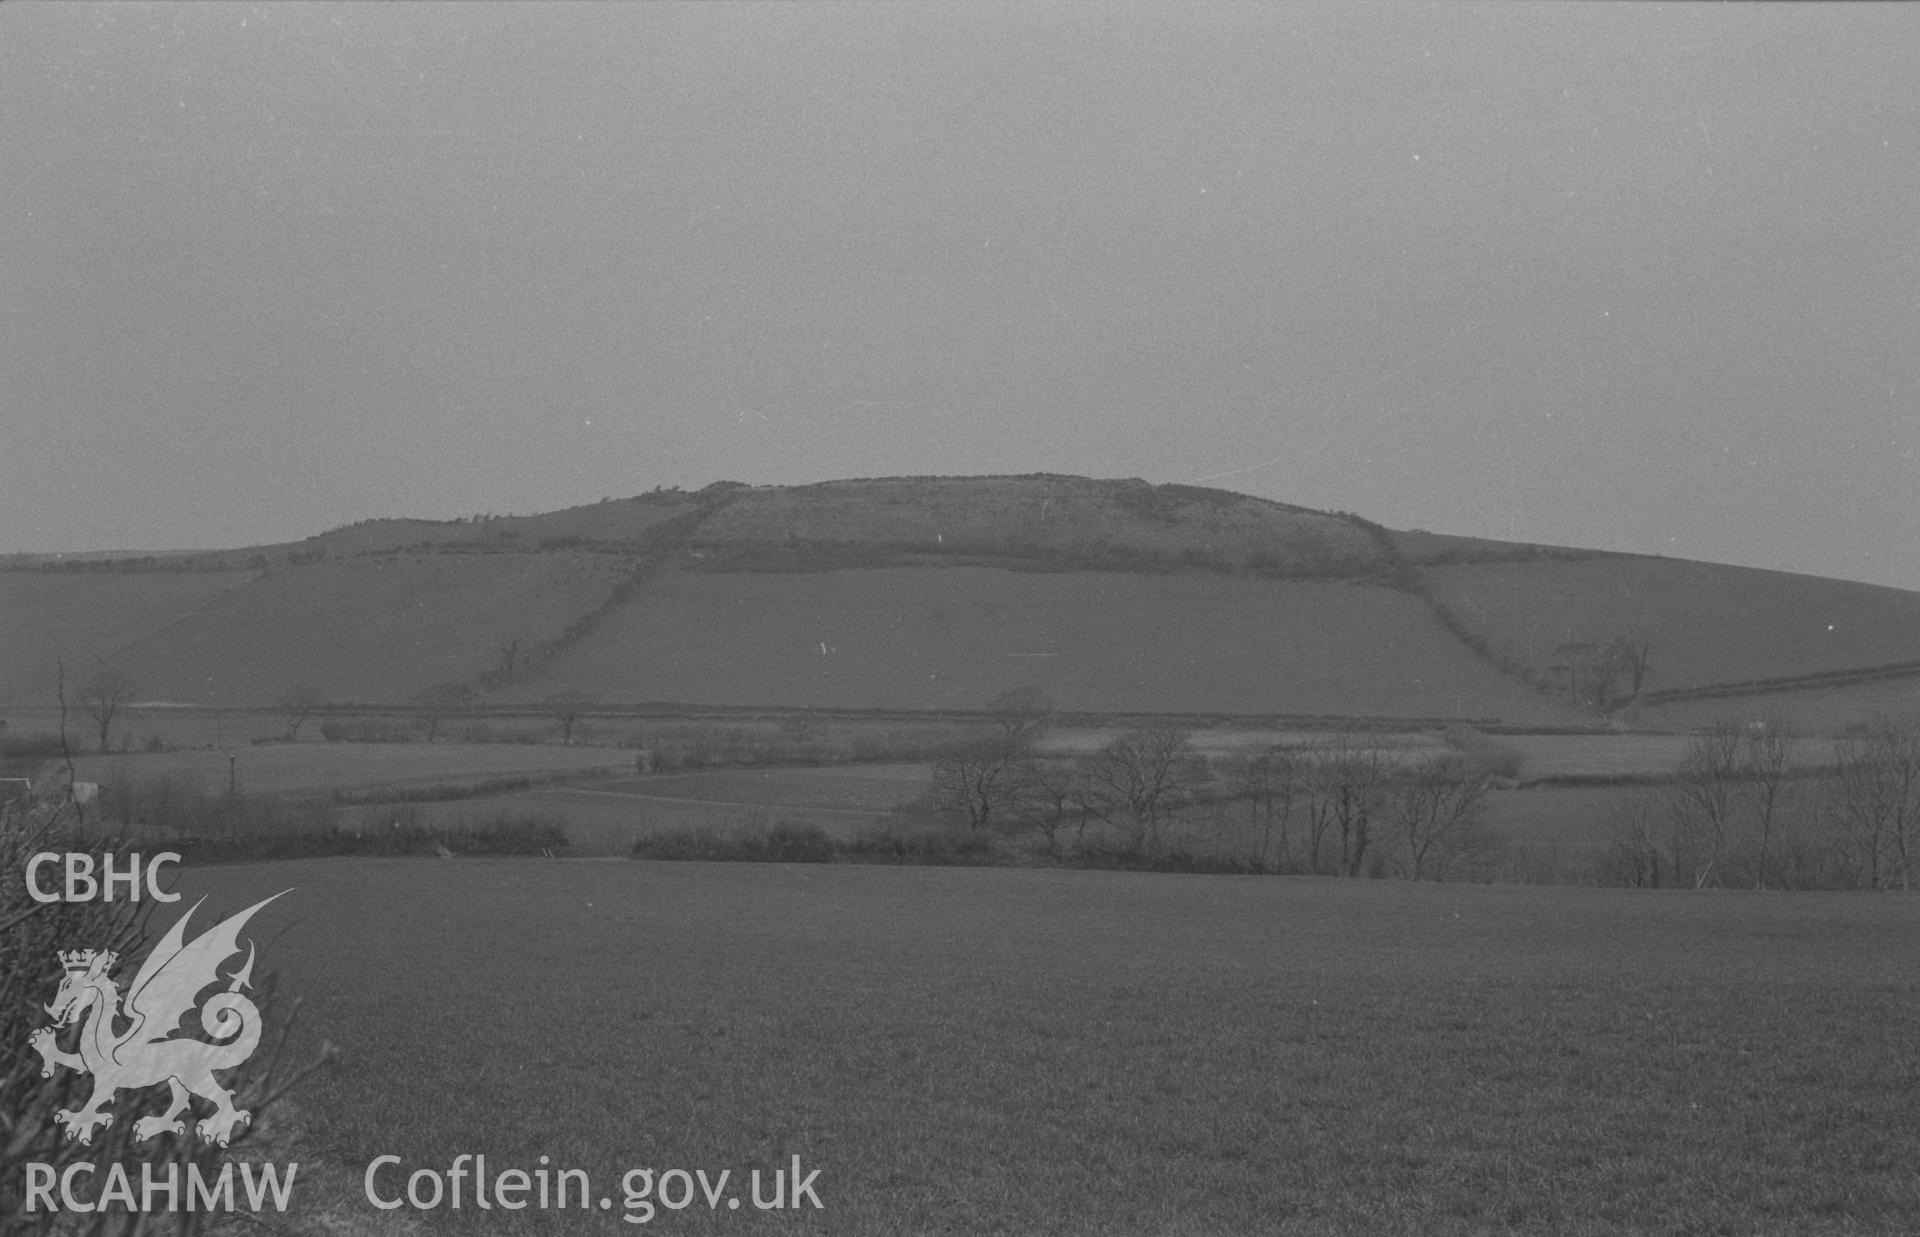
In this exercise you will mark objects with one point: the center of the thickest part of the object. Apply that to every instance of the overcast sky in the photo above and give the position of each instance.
(1624, 276)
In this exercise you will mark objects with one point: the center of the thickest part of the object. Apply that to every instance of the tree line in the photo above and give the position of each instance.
(1748, 808)
(1342, 806)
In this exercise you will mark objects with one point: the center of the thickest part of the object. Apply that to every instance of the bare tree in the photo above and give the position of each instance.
(1141, 776)
(1269, 783)
(984, 778)
(1875, 799)
(568, 708)
(1058, 795)
(989, 776)
(433, 704)
(1635, 854)
(1435, 810)
(1704, 802)
(1766, 760)
(297, 704)
(103, 697)
(1346, 782)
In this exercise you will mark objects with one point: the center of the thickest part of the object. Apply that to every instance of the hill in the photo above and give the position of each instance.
(938, 592)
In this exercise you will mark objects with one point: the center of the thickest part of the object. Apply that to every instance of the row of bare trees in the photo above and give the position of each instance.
(1133, 786)
(1747, 808)
(1343, 806)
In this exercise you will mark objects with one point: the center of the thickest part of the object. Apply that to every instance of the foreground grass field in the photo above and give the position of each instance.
(1022, 1051)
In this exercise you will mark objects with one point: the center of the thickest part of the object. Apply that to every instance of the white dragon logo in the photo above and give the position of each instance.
(143, 1054)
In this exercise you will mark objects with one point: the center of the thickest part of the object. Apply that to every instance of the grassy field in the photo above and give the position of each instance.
(1821, 708)
(374, 628)
(1596, 755)
(955, 637)
(1626, 755)
(1225, 740)
(990, 1051)
(85, 619)
(607, 817)
(1711, 623)
(866, 788)
(277, 768)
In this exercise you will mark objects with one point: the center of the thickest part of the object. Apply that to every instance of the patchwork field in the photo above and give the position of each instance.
(992, 1051)
(956, 637)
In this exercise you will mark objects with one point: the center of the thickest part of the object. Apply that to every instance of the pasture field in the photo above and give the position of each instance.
(1710, 623)
(277, 768)
(955, 637)
(862, 788)
(1015, 1051)
(368, 629)
(1229, 739)
(1816, 708)
(1596, 755)
(607, 816)
(1626, 755)
(86, 618)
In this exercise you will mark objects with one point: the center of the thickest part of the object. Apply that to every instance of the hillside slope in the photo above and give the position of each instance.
(85, 619)
(923, 638)
(939, 592)
(370, 629)
(1710, 624)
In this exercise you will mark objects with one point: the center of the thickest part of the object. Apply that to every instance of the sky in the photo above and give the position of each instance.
(1629, 277)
